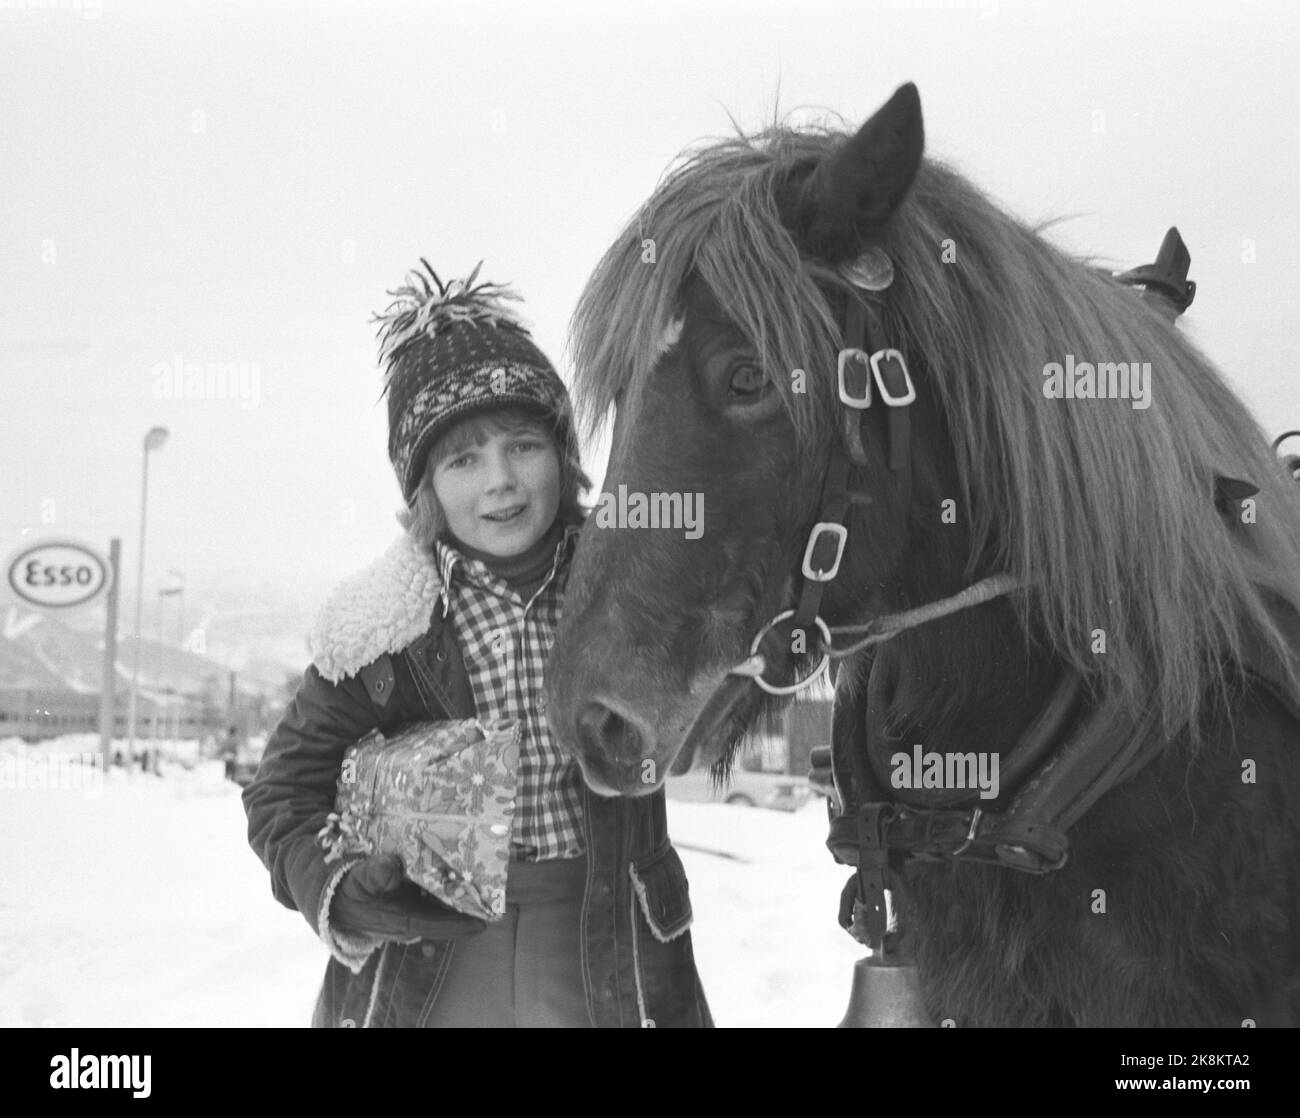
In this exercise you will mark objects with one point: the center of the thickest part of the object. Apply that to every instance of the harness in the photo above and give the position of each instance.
(1074, 750)
(866, 365)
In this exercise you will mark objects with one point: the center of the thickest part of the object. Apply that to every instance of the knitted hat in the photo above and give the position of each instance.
(450, 350)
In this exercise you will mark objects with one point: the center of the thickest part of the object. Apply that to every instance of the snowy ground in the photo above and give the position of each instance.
(134, 900)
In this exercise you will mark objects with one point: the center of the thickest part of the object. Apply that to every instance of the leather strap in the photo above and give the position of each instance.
(836, 497)
(864, 330)
(1041, 737)
(972, 835)
(834, 510)
(1104, 747)
(893, 372)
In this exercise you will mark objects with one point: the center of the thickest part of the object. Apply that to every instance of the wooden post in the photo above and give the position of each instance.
(108, 688)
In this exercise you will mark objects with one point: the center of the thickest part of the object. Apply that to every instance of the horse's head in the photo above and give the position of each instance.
(713, 325)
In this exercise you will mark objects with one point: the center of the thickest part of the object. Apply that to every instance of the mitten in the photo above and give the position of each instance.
(375, 898)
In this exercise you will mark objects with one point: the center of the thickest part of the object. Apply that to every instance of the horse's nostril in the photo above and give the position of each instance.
(606, 733)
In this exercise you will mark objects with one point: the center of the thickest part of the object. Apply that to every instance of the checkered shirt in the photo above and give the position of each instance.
(505, 642)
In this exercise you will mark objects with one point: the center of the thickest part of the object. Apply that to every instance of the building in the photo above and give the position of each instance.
(35, 714)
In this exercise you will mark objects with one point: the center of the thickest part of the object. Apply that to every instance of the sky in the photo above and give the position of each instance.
(240, 184)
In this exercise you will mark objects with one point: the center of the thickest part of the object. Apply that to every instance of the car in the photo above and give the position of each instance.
(776, 791)
(242, 767)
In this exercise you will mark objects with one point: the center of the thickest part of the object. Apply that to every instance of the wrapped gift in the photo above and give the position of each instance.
(441, 795)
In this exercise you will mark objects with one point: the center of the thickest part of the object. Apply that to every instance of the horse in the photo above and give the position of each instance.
(868, 376)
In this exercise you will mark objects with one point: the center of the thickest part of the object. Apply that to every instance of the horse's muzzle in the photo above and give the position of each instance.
(616, 751)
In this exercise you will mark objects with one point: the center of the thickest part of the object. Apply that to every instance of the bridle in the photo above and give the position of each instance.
(867, 359)
(866, 366)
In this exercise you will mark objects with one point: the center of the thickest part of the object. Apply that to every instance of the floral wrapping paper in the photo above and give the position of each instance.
(440, 794)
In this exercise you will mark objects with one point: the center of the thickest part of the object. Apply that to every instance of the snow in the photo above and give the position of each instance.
(133, 900)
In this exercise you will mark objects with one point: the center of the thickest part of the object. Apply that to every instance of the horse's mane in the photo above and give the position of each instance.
(1106, 512)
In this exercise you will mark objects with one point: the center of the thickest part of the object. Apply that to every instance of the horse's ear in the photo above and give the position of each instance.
(837, 209)
(1229, 491)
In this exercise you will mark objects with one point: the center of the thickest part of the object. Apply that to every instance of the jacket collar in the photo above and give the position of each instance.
(448, 557)
(382, 608)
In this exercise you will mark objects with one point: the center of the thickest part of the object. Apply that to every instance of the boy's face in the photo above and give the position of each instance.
(499, 489)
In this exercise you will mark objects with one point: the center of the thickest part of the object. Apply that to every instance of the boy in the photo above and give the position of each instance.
(456, 621)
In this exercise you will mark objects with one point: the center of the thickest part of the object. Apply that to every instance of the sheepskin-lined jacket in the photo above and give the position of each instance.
(383, 656)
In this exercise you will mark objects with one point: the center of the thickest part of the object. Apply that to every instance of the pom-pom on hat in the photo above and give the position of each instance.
(451, 349)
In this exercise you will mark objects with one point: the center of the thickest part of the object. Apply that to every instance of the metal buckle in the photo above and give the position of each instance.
(1029, 861)
(841, 533)
(846, 397)
(876, 360)
(756, 665)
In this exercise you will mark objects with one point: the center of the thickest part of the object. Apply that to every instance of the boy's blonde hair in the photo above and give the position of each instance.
(424, 520)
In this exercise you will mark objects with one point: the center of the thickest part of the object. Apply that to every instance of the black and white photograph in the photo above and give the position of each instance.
(651, 514)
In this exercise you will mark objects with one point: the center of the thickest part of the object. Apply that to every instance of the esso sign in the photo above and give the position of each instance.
(57, 574)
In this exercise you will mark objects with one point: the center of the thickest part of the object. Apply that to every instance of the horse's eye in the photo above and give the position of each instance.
(746, 381)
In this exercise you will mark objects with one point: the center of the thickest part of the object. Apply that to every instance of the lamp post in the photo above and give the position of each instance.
(180, 641)
(173, 693)
(179, 590)
(153, 440)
